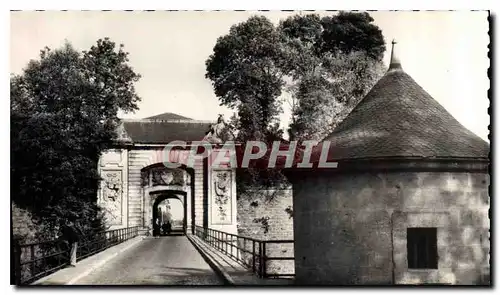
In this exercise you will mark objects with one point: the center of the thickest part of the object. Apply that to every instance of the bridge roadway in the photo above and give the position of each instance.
(169, 260)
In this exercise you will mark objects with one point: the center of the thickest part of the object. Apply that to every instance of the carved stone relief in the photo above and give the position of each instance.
(112, 191)
(221, 196)
(166, 176)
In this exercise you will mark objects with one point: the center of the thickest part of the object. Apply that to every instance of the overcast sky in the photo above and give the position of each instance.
(445, 52)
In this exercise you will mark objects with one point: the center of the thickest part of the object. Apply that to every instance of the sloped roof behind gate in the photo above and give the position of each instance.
(162, 129)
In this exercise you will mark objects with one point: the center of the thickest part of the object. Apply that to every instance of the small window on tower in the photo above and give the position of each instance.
(422, 248)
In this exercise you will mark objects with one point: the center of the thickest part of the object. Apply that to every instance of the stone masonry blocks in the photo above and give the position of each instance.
(352, 228)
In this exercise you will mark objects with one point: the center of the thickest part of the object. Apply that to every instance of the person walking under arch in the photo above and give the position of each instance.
(156, 228)
(169, 227)
(164, 229)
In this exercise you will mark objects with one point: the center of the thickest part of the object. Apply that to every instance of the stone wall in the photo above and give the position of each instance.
(351, 228)
(266, 215)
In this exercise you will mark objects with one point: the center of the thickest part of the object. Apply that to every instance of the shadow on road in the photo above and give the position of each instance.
(171, 276)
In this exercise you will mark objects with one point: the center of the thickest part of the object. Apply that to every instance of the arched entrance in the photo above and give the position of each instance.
(160, 183)
(160, 196)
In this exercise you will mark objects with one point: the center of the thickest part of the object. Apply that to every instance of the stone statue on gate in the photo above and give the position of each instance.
(217, 133)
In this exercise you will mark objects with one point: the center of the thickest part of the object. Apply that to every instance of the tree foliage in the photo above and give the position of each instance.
(63, 115)
(324, 99)
(246, 76)
(349, 32)
(332, 62)
(324, 64)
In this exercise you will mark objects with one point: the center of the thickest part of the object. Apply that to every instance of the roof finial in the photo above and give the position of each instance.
(395, 63)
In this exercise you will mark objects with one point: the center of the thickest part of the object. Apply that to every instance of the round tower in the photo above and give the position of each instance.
(408, 202)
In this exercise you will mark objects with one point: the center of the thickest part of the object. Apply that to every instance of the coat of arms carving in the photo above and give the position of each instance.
(222, 195)
(112, 195)
(167, 176)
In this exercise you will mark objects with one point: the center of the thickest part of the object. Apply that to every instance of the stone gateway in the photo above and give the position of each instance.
(135, 177)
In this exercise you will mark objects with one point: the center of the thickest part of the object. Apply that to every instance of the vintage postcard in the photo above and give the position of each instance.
(290, 148)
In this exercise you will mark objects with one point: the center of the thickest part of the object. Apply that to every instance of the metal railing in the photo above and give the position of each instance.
(253, 254)
(33, 261)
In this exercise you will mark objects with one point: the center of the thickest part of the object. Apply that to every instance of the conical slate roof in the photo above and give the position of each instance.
(398, 118)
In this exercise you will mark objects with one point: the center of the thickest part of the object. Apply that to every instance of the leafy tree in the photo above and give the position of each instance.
(324, 99)
(311, 58)
(332, 62)
(301, 38)
(63, 115)
(325, 65)
(349, 32)
(246, 73)
(246, 76)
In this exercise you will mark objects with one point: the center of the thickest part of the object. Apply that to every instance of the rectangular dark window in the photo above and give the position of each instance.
(422, 247)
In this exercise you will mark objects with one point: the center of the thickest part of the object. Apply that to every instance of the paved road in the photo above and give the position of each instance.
(170, 260)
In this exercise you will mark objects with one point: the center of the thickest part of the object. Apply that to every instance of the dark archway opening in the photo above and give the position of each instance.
(167, 195)
(190, 172)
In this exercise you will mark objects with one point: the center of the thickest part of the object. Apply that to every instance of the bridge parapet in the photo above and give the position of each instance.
(261, 256)
(36, 260)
